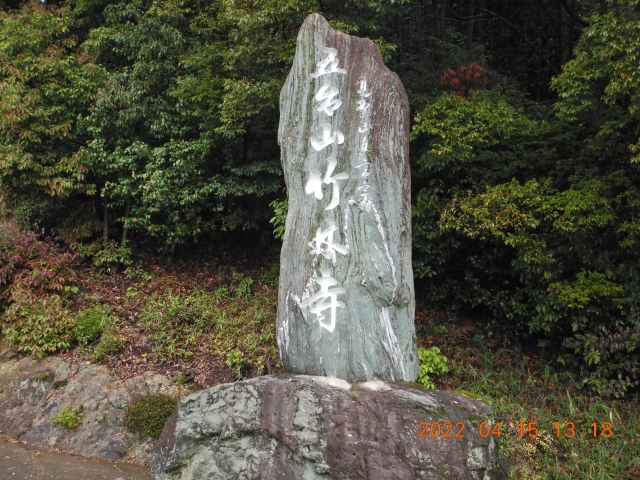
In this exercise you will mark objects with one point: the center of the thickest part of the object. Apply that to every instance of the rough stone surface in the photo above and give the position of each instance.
(309, 427)
(367, 252)
(26, 407)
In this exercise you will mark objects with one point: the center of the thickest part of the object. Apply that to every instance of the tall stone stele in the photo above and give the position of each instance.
(346, 298)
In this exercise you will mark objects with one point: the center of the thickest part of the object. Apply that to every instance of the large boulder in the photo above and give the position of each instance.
(346, 298)
(305, 427)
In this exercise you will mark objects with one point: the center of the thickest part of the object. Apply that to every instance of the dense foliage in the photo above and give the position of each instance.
(158, 120)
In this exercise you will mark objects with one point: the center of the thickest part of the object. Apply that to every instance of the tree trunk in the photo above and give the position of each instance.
(571, 26)
(171, 252)
(400, 44)
(446, 7)
(125, 230)
(418, 19)
(481, 22)
(105, 225)
(564, 37)
(470, 13)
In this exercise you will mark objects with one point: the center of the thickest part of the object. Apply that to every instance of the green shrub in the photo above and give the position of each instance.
(235, 359)
(109, 343)
(89, 250)
(91, 323)
(111, 256)
(8, 231)
(432, 362)
(67, 417)
(37, 326)
(148, 414)
(138, 272)
(241, 285)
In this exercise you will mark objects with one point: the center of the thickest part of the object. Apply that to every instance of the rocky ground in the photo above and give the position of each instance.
(32, 391)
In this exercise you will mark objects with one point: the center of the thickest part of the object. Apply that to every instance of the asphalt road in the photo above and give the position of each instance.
(26, 462)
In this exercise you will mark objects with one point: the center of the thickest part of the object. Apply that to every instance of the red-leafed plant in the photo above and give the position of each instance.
(33, 261)
(466, 80)
(32, 269)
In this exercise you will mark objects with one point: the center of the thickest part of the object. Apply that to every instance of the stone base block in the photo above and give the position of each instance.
(305, 427)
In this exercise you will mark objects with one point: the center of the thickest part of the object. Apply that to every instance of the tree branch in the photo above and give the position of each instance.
(524, 37)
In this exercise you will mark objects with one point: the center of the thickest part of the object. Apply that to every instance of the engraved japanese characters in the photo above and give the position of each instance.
(346, 300)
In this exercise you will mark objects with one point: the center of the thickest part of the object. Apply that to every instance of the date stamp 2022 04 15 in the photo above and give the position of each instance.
(459, 430)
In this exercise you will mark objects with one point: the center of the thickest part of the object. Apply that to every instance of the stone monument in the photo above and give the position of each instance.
(345, 323)
(346, 300)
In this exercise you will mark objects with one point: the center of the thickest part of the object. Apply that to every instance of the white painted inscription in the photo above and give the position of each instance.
(320, 143)
(329, 64)
(314, 185)
(325, 95)
(325, 237)
(323, 244)
(325, 299)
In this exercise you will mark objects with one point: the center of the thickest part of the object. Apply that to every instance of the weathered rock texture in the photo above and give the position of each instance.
(368, 250)
(26, 407)
(302, 427)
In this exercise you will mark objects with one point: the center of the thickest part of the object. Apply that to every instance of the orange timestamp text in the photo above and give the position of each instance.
(530, 429)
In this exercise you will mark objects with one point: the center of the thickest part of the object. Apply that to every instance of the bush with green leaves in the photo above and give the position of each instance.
(432, 362)
(148, 414)
(180, 380)
(271, 275)
(177, 322)
(37, 326)
(241, 285)
(112, 256)
(68, 417)
(235, 360)
(109, 344)
(91, 323)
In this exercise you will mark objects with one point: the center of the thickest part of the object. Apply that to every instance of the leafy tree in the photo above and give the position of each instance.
(230, 83)
(45, 84)
(136, 132)
(543, 238)
(600, 87)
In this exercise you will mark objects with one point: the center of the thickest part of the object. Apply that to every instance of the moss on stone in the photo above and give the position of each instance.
(424, 410)
(42, 377)
(473, 395)
(148, 414)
